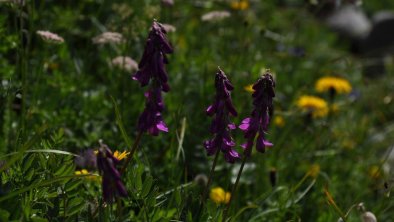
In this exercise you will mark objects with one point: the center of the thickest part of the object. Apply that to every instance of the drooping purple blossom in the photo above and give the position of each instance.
(152, 70)
(257, 123)
(152, 63)
(151, 120)
(221, 126)
(111, 178)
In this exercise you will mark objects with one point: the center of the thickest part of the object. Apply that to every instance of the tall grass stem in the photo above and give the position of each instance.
(206, 189)
(132, 151)
(233, 191)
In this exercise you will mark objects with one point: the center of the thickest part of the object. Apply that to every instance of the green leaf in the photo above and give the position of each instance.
(138, 182)
(36, 185)
(75, 201)
(178, 195)
(119, 122)
(157, 216)
(138, 177)
(4, 215)
(189, 217)
(43, 160)
(73, 184)
(38, 219)
(60, 171)
(29, 175)
(69, 170)
(75, 209)
(75, 205)
(41, 151)
(150, 200)
(52, 195)
(147, 186)
(24, 147)
(27, 161)
(171, 212)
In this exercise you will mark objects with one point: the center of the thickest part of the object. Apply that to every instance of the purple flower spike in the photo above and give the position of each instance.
(152, 70)
(221, 126)
(152, 63)
(111, 179)
(257, 123)
(151, 120)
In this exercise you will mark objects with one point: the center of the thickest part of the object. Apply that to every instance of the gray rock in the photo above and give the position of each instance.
(350, 21)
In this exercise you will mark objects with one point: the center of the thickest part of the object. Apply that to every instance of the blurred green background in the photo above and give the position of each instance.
(68, 87)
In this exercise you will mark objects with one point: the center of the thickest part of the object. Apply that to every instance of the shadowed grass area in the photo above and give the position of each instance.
(58, 99)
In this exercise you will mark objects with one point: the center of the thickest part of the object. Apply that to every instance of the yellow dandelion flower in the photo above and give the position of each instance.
(86, 172)
(118, 155)
(317, 106)
(219, 196)
(327, 83)
(121, 155)
(314, 170)
(279, 121)
(239, 4)
(81, 172)
(249, 88)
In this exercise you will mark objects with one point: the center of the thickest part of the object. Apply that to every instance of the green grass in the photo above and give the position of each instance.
(67, 107)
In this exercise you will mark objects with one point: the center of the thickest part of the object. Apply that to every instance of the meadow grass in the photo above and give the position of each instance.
(60, 98)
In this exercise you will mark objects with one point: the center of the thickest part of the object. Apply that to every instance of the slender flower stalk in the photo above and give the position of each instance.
(256, 125)
(221, 126)
(234, 189)
(205, 193)
(152, 71)
(23, 57)
(132, 151)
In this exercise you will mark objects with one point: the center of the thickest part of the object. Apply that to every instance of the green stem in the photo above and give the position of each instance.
(206, 189)
(119, 207)
(132, 151)
(23, 67)
(299, 183)
(233, 191)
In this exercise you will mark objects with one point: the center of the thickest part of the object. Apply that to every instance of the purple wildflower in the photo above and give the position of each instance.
(151, 120)
(221, 126)
(111, 179)
(152, 69)
(257, 123)
(152, 63)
